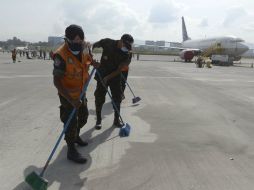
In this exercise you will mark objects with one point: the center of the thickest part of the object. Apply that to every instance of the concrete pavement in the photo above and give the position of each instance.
(193, 129)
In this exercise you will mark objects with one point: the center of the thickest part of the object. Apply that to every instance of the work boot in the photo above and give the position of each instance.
(117, 123)
(80, 142)
(98, 125)
(74, 155)
(98, 117)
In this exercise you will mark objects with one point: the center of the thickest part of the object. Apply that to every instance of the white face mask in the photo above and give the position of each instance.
(75, 52)
(124, 49)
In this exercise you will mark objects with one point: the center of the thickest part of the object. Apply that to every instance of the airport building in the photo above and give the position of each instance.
(55, 40)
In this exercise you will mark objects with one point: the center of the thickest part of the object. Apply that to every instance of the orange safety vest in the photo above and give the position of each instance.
(125, 68)
(76, 73)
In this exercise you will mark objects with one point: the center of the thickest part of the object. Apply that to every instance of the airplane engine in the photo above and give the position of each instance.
(187, 55)
(237, 58)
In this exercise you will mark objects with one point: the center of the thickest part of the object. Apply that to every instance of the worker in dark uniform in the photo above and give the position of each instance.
(70, 74)
(199, 62)
(44, 54)
(116, 54)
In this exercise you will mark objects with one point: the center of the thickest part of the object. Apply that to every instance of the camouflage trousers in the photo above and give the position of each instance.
(78, 120)
(100, 93)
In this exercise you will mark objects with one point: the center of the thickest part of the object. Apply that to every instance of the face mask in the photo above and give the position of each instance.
(75, 52)
(75, 47)
(124, 49)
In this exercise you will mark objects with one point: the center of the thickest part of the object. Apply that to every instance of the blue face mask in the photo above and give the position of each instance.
(124, 49)
(75, 52)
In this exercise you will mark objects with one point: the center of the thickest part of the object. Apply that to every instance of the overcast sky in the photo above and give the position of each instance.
(35, 20)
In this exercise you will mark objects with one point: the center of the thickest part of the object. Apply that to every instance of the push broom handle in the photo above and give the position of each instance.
(109, 95)
(127, 84)
(67, 124)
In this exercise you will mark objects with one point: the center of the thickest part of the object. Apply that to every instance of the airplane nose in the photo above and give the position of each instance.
(243, 47)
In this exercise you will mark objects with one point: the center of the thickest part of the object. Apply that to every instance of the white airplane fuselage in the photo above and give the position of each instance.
(232, 46)
(22, 48)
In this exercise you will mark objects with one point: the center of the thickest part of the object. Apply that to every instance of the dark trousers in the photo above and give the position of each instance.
(78, 121)
(124, 79)
(14, 58)
(100, 93)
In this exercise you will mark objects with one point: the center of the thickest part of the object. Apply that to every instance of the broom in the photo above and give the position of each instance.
(35, 180)
(135, 99)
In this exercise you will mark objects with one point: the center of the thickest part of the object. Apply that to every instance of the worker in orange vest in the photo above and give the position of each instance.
(70, 74)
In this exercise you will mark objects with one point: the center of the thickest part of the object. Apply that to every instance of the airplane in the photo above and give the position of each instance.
(22, 48)
(232, 46)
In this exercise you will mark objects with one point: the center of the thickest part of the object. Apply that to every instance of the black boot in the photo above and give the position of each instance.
(117, 123)
(79, 141)
(98, 116)
(74, 155)
(98, 125)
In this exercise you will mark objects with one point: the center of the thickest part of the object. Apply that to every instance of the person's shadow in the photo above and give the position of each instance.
(65, 172)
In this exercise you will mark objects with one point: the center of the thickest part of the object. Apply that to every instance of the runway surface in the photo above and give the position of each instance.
(193, 129)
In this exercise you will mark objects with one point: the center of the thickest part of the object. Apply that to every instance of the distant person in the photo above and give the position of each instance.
(199, 62)
(40, 54)
(70, 74)
(116, 54)
(44, 54)
(13, 55)
(137, 56)
(20, 53)
(208, 63)
(27, 55)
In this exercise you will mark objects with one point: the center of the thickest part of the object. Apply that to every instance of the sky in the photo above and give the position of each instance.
(35, 20)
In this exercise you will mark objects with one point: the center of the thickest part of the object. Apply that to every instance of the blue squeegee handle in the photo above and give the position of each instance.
(66, 125)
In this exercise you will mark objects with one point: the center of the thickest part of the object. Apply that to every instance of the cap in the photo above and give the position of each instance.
(127, 40)
(73, 30)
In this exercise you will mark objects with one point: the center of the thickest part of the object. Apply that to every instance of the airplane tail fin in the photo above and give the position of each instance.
(184, 31)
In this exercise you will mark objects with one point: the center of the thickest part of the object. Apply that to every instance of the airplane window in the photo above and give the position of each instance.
(237, 40)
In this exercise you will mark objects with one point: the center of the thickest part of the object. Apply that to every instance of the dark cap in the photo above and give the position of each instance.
(127, 40)
(73, 30)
